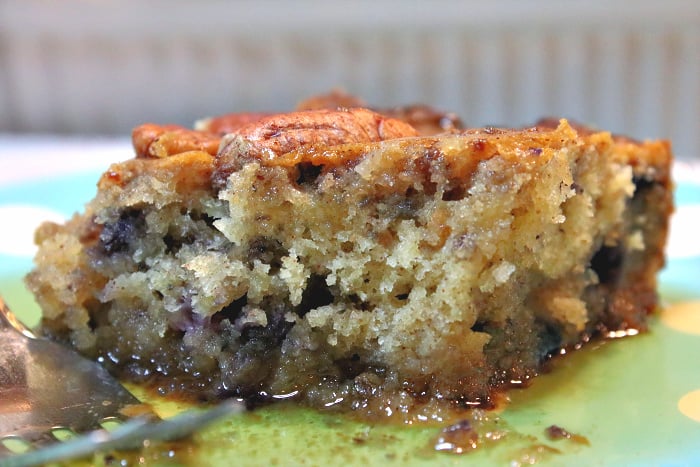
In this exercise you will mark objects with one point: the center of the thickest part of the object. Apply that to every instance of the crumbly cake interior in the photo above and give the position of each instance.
(369, 275)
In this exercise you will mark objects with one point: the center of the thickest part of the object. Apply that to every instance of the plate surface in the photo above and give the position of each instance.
(633, 401)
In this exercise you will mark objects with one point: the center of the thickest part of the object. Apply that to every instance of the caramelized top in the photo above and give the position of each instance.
(459, 153)
(352, 120)
(326, 131)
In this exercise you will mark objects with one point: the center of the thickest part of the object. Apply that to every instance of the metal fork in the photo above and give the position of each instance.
(45, 387)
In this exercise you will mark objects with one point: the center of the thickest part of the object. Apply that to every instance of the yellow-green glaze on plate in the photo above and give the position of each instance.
(630, 401)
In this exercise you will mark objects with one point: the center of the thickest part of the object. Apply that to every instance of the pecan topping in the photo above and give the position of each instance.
(159, 141)
(425, 119)
(274, 136)
(336, 99)
(229, 123)
(328, 119)
(280, 134)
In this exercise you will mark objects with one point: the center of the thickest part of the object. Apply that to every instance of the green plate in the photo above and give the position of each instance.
(631, 401)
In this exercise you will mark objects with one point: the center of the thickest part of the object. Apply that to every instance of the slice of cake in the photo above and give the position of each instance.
(342, 258)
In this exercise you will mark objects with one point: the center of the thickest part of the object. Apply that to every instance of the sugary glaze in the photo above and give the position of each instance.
(340, 258)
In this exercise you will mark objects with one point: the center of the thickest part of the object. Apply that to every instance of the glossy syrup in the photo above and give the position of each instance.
(285, 431)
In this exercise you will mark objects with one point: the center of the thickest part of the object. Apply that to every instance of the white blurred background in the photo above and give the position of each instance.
(91, 67)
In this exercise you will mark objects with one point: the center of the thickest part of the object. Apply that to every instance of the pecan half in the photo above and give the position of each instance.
(274, 136)
(425, 119)
(159, 141)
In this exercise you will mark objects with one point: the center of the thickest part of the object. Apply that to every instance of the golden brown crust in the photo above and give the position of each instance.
(635, 152)
(197, 177)
(335, 137)
(475, 146)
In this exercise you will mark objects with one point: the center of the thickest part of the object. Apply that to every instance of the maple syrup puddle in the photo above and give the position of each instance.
(447, 430)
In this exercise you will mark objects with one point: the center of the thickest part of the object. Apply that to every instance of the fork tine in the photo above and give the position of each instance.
(85, 425)
(45, 385)
(82, 428)
(39, 438)
(30, 439)
(4, 450)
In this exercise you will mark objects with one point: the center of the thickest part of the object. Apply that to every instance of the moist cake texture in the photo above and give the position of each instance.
(345, 259)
